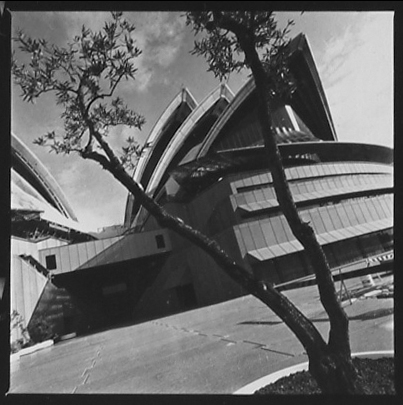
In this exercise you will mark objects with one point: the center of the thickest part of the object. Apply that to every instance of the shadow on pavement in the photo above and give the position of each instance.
(377, 313)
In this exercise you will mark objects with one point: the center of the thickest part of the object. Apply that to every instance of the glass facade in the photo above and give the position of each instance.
(331, 215)
(349, 205)
(241, 184)
(289, 267)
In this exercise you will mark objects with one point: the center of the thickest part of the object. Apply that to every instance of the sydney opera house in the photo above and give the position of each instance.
(205, 163)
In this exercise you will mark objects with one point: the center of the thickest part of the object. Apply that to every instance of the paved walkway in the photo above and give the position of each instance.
(217, 349)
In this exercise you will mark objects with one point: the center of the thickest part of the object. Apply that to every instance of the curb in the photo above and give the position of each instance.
(273, 377)
(32, 349)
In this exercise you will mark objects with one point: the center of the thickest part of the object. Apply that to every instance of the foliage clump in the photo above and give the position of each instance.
(84, 77)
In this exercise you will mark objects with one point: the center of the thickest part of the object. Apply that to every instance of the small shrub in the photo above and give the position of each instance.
(17, 322)
(40, 330)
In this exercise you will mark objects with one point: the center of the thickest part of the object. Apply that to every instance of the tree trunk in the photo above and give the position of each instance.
(335, 374)
(299, 324)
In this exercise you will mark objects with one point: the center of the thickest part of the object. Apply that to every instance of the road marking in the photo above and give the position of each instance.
(253, 343)
(277, 351)
(230, 341)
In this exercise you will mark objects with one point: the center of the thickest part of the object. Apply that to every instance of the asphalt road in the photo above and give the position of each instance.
(213, 350)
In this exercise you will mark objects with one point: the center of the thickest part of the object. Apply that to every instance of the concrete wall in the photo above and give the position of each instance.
(25, 247)
(211, 283)
(27, 285)
(86, 255)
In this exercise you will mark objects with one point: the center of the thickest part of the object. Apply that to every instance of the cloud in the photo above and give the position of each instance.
(356, 70)
(160, 35)
(335, 60)
(96, 197)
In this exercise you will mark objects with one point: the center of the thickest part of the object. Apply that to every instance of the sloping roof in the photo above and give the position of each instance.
(22, 201)
(160, 136)
(308, 101)
(29, 167)
(181, 135)
(176, 145)
(198, 174)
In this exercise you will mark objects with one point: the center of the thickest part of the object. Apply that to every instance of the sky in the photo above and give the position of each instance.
(353, 52)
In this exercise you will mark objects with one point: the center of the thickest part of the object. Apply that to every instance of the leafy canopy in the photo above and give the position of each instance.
(225, 35)
(84, 76)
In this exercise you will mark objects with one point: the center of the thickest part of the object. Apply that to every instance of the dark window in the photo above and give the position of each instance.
(160, 241)
(51, 262)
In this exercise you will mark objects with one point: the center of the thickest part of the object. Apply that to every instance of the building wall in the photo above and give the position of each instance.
(80, 256)
(188, 279)
(346, 203)
(56, 314)
(163, 296)
(212, 284)
(349, 205)
(27, 286)
(21, 246)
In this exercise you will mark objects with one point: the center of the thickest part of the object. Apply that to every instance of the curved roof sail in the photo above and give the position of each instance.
(307, 106)
(192, 131)
(188, 128)
(29, 167)
(177, 111)
(207, 130)
(170, 120)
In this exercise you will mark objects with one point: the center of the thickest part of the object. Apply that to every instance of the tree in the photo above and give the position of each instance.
(84, 77)
(255, 35)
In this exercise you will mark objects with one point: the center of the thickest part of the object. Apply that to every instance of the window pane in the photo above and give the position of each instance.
(372, 210)
(350, 214)
(268, 232)
(287, 229)
(317, 222)
(160, 241)
(51, 262)
(378, 207)
(302, 187)
(257, 235)
(387, 207)
(250, 198)
(259, 195)
(247, 238)
(343, 215)
(365, 211)
(268, 193)
(327, 222)
(356, 207)
(335, 217)
(309, 186)
(278, 230)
